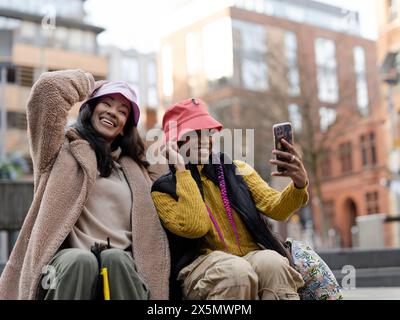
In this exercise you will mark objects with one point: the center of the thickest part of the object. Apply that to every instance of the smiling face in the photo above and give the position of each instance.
(110, 115)
(197, 146)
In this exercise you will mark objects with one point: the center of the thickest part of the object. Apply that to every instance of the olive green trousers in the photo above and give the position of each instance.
(73, 274)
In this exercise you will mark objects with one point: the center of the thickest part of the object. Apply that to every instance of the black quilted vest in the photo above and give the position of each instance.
(184, 250)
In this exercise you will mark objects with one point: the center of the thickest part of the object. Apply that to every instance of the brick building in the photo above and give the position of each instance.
(260, 62)
(388, 58)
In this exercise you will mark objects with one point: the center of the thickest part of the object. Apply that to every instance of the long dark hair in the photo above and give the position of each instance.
(130, 143)
(271, 239)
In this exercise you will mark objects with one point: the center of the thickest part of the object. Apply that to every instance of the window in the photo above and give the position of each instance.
(194, 64)
(295, 117)
(361, 80)
(47, 38)
(167, 71)
(75, 39)
(193, 54)
(372, 201)
(16, 120)
(346, 159)
(9, 23)
(217, 49)
(364, 151)
(130, 70)
(373, 148)
(253, 36)
(301, 11)
(259, 6)
(393, 9)
(60, 37)
(397, 129)
(151, 73)
(10, 74)
(295, 13)
(327, 118)
(249, 5)
(25, 76)
(368, 149)
(89, 42)
(269, 8)
(293, 71)
(70, 9)
(325, 164)
(152, 99)
(329, 211)
(325, 53)
(251, 50)
(254, 74)
(28, 30)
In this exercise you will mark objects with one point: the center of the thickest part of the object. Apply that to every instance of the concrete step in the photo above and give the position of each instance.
(374, 268)
(375, 293)
(361, 258)
(365, 278)
(372, 277)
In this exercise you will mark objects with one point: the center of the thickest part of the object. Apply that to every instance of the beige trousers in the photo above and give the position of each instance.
(261, 274)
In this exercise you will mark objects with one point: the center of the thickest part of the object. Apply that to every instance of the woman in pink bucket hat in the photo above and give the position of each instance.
(92, 209)
(221, 247)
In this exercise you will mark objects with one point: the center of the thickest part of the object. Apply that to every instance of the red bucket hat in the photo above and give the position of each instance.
(189, 115)
(121, 87)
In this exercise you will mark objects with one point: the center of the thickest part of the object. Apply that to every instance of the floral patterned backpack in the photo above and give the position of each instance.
(320, 282)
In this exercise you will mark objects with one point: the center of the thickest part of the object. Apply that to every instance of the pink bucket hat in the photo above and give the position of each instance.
(189, 115)
(121, 87)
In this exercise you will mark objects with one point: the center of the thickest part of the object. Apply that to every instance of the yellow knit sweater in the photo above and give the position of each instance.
(188, 217)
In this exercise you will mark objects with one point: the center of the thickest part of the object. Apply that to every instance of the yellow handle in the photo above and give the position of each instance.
(106, 286)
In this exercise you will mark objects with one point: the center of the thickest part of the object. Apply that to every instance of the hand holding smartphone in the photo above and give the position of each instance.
(282, 131)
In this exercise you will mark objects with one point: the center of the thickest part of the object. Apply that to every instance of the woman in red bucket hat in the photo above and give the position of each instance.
(92, 191)
(221, 247)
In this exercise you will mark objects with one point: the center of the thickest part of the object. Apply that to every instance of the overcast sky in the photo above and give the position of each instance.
(139, 24)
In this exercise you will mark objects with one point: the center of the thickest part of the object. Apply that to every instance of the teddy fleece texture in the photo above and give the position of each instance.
(65, 170)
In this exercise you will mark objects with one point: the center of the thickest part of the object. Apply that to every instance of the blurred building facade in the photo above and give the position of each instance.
(388, 12)
(260, 62)
(140, 70)
(37, 37)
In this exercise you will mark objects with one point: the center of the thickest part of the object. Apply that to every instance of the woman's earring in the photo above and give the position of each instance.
(122, 134)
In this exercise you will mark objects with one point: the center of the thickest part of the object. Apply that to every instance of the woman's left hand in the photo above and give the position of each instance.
(294, 167)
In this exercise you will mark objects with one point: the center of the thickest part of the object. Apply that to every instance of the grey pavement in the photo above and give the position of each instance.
(387, 293)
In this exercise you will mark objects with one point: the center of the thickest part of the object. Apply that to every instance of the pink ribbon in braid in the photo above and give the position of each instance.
(214, 221)
(227, 205)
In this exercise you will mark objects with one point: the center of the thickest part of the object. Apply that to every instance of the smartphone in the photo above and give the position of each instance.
(282, 131)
